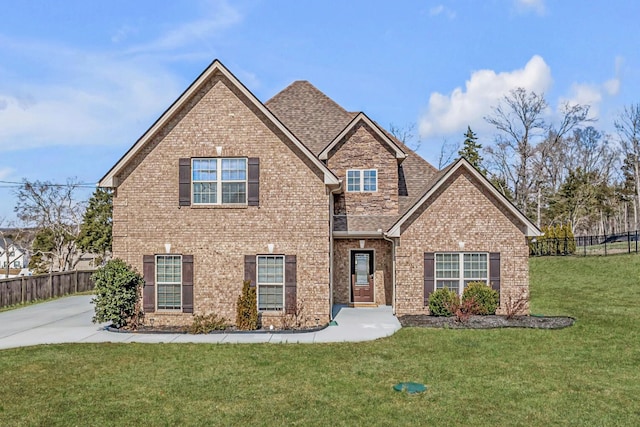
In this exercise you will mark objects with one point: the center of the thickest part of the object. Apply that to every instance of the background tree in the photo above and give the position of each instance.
(471, 150)
(628, 127)
(53, 210)
(406, 134)
(95, 231)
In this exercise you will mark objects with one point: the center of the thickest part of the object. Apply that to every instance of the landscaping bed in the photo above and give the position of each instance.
(486, 322)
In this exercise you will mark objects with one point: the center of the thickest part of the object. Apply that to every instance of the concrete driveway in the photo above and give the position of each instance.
(68, 320)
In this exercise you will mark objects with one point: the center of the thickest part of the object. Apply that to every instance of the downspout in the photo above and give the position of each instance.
(331, 203)
(393, 271)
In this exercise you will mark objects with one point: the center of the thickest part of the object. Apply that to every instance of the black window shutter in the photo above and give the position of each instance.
(184, 182)
(187, 283)
(290, 278)
(149, 290)
(494, 271)
(250, 269)
(429, 275)
(253, 182)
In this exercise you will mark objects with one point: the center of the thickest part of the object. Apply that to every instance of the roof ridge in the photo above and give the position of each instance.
(311, 86)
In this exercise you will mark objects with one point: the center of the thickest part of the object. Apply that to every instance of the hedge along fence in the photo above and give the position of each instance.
(606, 244)
(19, 290)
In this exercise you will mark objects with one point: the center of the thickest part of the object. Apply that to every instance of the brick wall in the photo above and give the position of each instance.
(382, 286)
(480, 222)
(293, 212)
(362, 149)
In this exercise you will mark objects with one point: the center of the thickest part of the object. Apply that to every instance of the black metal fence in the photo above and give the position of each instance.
(605, 244)
(19, 290)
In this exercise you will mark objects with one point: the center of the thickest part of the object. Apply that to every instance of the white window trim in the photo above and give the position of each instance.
(361, 179)
(284, 281)
(168, 283)
(460, 279)
(219, 181)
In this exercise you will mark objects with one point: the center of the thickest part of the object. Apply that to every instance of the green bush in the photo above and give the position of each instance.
(443, 302)
(486, 299)
(205, 323)
(117, 288)
(247, 308)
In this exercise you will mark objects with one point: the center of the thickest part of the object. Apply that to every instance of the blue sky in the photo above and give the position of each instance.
(81, 81)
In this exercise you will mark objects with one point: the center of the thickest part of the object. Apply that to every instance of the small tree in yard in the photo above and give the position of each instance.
(247, 309)
(117, 288)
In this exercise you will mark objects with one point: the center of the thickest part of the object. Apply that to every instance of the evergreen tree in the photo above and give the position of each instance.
(95, 232)
(471, 150)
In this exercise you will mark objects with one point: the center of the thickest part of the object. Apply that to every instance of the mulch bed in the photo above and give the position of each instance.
(487, 322)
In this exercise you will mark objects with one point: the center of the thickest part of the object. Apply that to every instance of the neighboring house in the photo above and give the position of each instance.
(17, 256)
(317, 206)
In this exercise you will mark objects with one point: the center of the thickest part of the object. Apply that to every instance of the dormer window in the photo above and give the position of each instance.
(362, 180)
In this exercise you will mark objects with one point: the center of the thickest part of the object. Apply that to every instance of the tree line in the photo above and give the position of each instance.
(568, 172)
(55, 228)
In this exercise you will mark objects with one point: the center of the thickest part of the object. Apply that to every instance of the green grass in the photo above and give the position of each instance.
(588, 374)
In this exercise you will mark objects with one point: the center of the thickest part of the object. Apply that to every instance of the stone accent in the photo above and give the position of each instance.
(383, 276)
(363, 149)
(293, 212)
(462, 211)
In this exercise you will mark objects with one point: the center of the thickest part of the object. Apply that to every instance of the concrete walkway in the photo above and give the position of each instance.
(68, 320)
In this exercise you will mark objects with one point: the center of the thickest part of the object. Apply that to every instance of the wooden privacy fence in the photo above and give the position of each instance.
(19, 290)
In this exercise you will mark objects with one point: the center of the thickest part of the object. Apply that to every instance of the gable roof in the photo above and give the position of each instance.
(109, 180)
(310, 114)
(362, 118)
(439, 180)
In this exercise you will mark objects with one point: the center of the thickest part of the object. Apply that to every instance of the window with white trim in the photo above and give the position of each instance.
(270, 282)
(455, 270)
(362, 180)
(219, 181)
(169, 282)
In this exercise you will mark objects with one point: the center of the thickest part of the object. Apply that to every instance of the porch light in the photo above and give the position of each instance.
(167, 248)
(219, 151)
(270, 247)
(362, 242)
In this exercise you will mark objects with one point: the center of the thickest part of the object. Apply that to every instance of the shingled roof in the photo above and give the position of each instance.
(310, 114)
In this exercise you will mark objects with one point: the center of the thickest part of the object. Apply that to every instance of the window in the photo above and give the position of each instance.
(362, 180)
(169, 281)
(270, 281)
(455, 270)
(218, 181)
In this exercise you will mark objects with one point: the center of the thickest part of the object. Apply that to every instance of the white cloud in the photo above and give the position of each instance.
(5, 173)
(218, 16)
(442, 10)
(450, 114)
(536, 6)
(86, 98)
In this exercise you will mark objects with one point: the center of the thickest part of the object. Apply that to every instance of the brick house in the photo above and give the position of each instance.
(317, 206)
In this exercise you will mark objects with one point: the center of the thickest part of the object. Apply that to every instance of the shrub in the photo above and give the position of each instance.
(117, 288)
(205, 323)
(443, 302)
(247, 308)
(486, 299)
(516, 303)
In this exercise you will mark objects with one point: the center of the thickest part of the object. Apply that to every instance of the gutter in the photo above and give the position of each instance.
(393, 271)
(336, 190)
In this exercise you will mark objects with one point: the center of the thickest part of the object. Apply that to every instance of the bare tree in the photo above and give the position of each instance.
(406, 134)
(448, 152)
(11, 237)
(628, 127)
(53, 210)
(518, 118)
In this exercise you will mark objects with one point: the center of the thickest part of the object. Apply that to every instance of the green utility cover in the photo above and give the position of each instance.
(411, 388)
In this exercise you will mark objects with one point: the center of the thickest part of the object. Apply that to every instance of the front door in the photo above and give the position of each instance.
(362, 276)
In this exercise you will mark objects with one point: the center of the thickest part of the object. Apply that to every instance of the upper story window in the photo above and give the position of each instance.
(219, 181)
(362, 180)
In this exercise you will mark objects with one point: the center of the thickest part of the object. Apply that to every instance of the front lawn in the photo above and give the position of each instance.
(587, 374)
